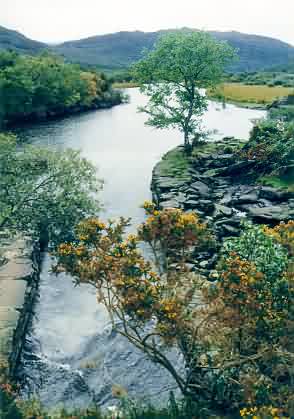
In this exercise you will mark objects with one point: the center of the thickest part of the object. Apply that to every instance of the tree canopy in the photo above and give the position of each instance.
(42, 86)
(44, 193)
(173, 76)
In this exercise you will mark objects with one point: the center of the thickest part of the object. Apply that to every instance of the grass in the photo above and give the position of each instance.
(174, 163)
(281, 182)
(237, 92)
(124, 85)
(242, 93)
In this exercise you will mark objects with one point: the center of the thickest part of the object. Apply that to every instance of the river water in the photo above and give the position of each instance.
(72, 357)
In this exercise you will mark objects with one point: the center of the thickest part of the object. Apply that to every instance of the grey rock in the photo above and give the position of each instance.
(272, 214)
(220, 160)
(206, 205)
(218, 195)
(191, 203)
(173, 203)
(181, 197)
(230, 230)
(211, 173)
(221, 210)
(246, 198)
(238, 167)
(200, 188)
(204, 263)
(167, 196)
(167, 183)
(222, 183)
(234, 221)
(273, 194)
(227, 199)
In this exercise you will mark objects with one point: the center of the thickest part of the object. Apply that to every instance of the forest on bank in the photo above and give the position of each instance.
(44, 86)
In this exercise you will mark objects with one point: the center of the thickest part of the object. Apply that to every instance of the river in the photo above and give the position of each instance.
(72, 357)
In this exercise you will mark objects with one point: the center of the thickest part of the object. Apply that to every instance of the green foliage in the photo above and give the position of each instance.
(15, 41)
(269, 78)
(175, 163)
(255, 246)
(280, 182)
(42, 86)
(8, 407)
(256, 292)
(235, 335)
(44, 192)
(12, 408)
(172, 77)
(284, 113)
(271, 146)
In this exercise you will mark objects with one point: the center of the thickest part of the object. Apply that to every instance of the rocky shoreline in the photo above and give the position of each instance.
(215, 185)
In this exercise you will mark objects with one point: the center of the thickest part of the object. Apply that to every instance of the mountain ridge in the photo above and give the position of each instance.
(120, 49)
(16, 41)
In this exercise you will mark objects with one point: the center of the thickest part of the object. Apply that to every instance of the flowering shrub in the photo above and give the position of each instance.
(253, 309)
(158, 293)
(264, 412)
(234, 334)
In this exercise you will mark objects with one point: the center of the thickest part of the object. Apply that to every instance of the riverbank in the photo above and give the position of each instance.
(258, 97)
(249, 95)
(217, 185)
(117, 99)
(71, 357)
(19, 280)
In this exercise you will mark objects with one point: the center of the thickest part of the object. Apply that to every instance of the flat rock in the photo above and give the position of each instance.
(200, 188)
(230, 230)
(191, 203)
(237, 168)
(167, 183)
(246, 198)
(273, 194)
(275, 213)
(173, 203)
(222, 210)
(206, 205)
(211, 173)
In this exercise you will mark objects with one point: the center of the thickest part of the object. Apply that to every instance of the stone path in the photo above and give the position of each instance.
(13, 286)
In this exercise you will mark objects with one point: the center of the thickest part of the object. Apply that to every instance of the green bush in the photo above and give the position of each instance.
(42, 86)
(285, 113)
(271, 146)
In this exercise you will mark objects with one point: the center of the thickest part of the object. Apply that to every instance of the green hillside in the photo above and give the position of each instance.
(15, 41)
(120, 49)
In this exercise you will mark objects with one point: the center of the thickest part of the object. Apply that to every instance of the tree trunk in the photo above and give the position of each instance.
(187, 144)
(43, 237)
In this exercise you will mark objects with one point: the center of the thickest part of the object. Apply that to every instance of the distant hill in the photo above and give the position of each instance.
(119, 50)
(15, 41)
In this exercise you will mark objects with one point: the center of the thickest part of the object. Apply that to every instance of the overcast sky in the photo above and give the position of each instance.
(60, 20)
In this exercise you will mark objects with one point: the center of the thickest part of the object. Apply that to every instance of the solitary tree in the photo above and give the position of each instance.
(173, 76)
